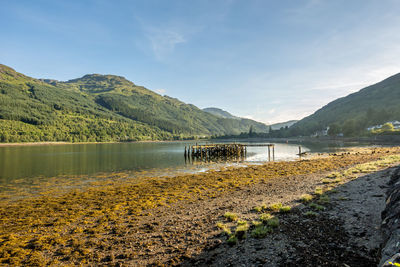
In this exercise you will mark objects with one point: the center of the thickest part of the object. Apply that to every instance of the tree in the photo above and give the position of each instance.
(251, 131)
(387, 127)
(334, 129)
(349, 128)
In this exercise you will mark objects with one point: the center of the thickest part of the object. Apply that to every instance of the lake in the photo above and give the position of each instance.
(26, 165)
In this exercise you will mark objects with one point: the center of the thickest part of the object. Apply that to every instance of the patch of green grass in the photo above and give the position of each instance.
(241, 230)
(256, 223)
(334, 175)
(316, 206)
(224, 228)
(275, 206)
(265, 217)
(331, 181)
(310, 214)
(324, 199)
(273, 222)
(232, 240)
(257, 209)
(285, 209)
(241, 222)
(231, 216)
(261, 231)
(306, 198)
(318, 191)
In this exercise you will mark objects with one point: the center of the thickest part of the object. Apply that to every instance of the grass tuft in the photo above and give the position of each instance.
(232, 240)
(318, 191)
(231, 216)
(257, 209)
(261, 231)
(275, 206)
(224, 228)
(316, 206)
(273, 222)
(265, 217)
(285, 209)
(324, 199)
(241, 230)
(310, 214)
(306, 198)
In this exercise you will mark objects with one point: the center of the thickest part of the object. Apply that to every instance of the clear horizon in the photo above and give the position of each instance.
(268, 61)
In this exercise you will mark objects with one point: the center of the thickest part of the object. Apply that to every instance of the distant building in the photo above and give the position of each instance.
(396, 124)
(321, 133)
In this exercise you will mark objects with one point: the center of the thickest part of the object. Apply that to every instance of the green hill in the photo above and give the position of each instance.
(220, 113)
(372, 105)
(98, 108)
(245, 123)
(277, 126)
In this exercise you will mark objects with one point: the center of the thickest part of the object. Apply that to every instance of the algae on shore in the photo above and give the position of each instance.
(81, 226)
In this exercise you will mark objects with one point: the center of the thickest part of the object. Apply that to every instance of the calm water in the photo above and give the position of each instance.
(26, 164)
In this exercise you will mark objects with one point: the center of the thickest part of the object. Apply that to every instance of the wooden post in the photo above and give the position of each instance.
(185, 153)
(269, 154)
(300, 151)
(273, 152)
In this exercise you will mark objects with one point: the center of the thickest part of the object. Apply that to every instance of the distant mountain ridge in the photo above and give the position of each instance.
(220, 113)
(257, 126)
(99, 107)
(277, 126)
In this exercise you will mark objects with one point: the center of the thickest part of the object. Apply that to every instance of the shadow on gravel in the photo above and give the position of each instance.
(305, 236)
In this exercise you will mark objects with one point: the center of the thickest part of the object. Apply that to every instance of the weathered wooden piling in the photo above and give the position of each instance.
(210, 152)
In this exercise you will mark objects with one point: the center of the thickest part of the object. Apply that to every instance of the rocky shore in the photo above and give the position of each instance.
(391, 223)
(323, 211)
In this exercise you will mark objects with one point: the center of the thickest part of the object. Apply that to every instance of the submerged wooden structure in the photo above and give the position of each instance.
(222, 151)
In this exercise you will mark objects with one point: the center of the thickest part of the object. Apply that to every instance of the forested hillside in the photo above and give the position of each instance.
(246, 123)
(99, 108)
(372, 105)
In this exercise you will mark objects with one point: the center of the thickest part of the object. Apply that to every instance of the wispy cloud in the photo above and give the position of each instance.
(163, 41)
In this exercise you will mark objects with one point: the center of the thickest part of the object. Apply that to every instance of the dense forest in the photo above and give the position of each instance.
(98, 108)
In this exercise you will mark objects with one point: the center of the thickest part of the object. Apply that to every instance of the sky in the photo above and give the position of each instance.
(267, 60)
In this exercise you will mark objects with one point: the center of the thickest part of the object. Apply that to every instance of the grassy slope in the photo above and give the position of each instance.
(374, 104)
(98, 108)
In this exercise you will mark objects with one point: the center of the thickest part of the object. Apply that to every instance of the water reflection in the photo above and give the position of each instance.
(18, 162)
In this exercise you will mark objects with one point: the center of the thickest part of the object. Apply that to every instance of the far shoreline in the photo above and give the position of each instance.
(383, 140)
(84, 143)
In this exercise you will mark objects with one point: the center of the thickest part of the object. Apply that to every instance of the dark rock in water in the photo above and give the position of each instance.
(391, 222)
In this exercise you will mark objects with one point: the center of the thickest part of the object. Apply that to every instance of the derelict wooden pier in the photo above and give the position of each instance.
(223, 151)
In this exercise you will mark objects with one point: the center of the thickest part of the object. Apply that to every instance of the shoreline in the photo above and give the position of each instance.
(378, 140)
(172, 220)
(85, 143)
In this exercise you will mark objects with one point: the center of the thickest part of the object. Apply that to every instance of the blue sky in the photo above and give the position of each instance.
(267, 60)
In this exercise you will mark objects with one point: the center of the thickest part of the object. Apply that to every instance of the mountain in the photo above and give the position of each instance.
(99, 107)
(277, 126)
(371, 105)
(246, 123)
(220, 113)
